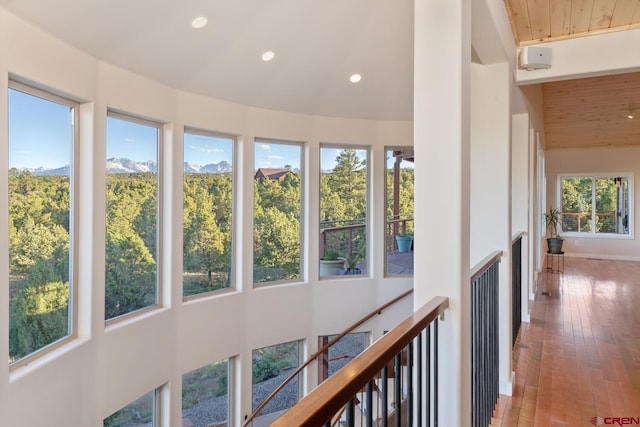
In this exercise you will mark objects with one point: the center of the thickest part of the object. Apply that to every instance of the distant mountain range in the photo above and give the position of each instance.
(124, 165)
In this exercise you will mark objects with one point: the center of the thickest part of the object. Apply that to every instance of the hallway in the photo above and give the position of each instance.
(579, 358)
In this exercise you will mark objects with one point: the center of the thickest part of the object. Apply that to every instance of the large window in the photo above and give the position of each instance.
(399, 203)
(132, 215)
(597, 204)
(205, 395)
(41, 153)
(277, 209)
(271, 366)
(208, 199)
(141, 412)
(343, 210)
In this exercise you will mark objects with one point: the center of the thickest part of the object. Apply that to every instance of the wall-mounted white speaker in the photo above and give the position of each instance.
(535, 58)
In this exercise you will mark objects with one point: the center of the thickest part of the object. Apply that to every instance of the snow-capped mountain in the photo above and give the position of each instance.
(221, 167)
(64, 170)
(124, 165)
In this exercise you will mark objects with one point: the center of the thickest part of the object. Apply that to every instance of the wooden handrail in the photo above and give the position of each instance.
(484, 264)
(327, 399)
(322, 349)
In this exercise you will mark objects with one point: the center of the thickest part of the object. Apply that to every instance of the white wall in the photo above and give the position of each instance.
(587, 56)
(607, 160)
(106, 368)
(520, 172)
(521, 201)
(490, 229)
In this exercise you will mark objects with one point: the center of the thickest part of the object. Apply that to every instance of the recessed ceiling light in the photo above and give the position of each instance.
(199, 22)
(355, 78)
(268, 56)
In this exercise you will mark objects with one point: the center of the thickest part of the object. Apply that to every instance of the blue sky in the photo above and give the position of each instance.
(131, 140)
(40, 136)
(203, 150)
(274, 155)
(39, 132)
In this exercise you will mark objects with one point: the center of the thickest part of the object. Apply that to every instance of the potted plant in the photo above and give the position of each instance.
(404, 242)
(352, 266)
(331, 264)
(552, 220)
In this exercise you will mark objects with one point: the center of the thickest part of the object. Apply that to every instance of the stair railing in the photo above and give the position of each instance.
(321, 351)
(414, 334)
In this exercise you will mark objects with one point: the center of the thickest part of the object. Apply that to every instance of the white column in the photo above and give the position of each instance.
(491, 203)
(442, 55)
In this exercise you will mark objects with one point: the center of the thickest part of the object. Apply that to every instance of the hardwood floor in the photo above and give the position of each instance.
(579, 357)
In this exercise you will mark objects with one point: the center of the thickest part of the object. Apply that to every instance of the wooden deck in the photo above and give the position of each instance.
(579, 358)
(400, 263)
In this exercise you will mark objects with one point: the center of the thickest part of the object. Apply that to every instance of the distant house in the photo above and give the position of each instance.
(276, 173)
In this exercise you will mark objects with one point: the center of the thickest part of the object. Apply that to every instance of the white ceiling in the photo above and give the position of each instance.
(318, 45)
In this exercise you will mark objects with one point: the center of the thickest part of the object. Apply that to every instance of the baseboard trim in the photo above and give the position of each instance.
(607, 257)
(506, 387)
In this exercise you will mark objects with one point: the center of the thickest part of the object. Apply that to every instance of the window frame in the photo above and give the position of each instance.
(72, 325)
(595, 176)
(159, 298)
(157, 401)
(234, 204)
(231, 376)
(368, 195)
(302, 278)
(388, 149)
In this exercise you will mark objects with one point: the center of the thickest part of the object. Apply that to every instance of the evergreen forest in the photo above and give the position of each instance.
(40, 229)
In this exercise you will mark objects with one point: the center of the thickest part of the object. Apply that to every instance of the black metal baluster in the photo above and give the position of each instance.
(419, 382)
(435, 372)
(427, 375)
(410, 384)
(384, 390)
(369, 404)
(397, 371)
(350, 413)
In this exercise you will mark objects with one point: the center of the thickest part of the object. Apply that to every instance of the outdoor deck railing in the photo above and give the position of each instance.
(484, 340)
(413, 344)
(343, 235)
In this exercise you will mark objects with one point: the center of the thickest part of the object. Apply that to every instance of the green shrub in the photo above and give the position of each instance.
(265, 368)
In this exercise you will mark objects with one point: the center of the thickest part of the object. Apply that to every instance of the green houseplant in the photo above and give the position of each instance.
(331, 264)
(552, 220)
(352, 266)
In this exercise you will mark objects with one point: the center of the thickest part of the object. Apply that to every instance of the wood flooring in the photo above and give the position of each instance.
(579, 357)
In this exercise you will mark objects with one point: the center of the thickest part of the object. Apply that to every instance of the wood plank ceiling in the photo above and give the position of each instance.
(592, 112)
(588, 112)
(535, 21)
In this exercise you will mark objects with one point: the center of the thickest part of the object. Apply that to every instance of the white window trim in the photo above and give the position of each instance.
(234, 209)
(369, 225)
(72, 327)
(303, 202)
(159, 302)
